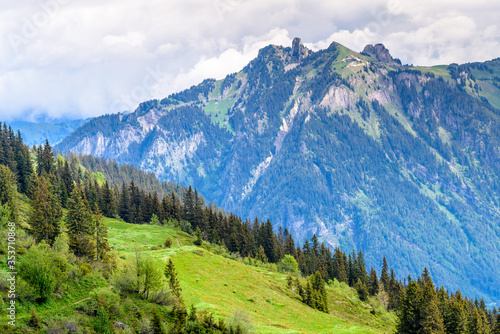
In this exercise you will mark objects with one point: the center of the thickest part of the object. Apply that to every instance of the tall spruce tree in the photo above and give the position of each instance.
(457, 318)
(101, 236)
(410, 320)
(199, 212)
(268, 241)
(431, 317)
(173, 281)
(80, 223)
(8, 190)
(478, 322)
(24, 165)
(339, 266)
(361, 268)
(188, 212)
(45, 212)
(108, 201)
(45, 160)
(496, 325)
(373, 283)
(384, 275)
(124, 204)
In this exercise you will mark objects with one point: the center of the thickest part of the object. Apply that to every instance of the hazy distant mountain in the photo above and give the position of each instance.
(366, 153)
(37, 133)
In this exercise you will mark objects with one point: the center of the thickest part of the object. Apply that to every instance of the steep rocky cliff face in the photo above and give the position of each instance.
(380, 52)
(365, 153)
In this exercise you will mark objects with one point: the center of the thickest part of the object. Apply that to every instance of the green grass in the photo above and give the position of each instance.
(220, 285)
(438, 71)
(218, 112)
(490, 92)
(127, 238)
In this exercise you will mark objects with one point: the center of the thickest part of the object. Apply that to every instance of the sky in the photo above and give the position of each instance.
(83, 58)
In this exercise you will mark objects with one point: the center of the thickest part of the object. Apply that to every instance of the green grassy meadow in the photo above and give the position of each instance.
(213, 281)
(224, 286)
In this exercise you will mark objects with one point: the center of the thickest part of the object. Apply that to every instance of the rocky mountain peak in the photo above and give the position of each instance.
(381, 53)
(299, 51)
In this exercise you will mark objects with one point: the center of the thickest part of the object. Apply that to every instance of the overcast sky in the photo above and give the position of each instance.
(80, 58)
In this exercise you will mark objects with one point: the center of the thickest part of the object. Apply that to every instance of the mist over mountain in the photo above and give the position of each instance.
(36, 133)
(353, 147)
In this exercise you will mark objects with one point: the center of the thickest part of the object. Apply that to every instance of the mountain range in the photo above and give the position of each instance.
(364, 152)
(36, 133)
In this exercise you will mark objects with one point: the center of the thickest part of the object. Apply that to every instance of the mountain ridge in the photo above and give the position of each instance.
(365, 154)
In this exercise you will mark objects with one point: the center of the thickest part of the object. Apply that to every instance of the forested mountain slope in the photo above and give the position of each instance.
(366, 153)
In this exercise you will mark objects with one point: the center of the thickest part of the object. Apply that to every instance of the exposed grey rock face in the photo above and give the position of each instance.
(299, 51)
(380, 52)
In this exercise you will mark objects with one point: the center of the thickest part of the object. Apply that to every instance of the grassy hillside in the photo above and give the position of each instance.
(223, 286)
(213, 282)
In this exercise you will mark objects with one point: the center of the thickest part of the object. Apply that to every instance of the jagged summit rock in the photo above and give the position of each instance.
(299, 51)
(381, 53)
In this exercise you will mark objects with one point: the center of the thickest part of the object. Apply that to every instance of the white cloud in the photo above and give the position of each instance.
(87, 57)
(229, 61)
(133, 39)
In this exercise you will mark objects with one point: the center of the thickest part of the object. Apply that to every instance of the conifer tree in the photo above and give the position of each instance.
(360, 268)
(179, 315)
(173, 281)
(384, 276)
(199, 213)
(45, 212)
(261, 255)
(66, 178)
(101, 236)
(92, 193)
(176, 212)
(431, 317)
(8, 190)
(7, 147)
(351, 269)
(300, 289)
(394, 292)
(46, 160)
(157, 322)
(146, 209)
(373, 283)
(124, 204)
(213, 229)
(496, 325)
(188, 206)
(34, 321)
(289, 245)
(318, 286)
(409, 313)
(156, 207)
(289, 281)
(80, 223)
(24, 164)
(108, 203)
(268, 241)
(457, 319)
(361, 289)
(478, 325)
(339, 266)
(199, 240)
(135, 202)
